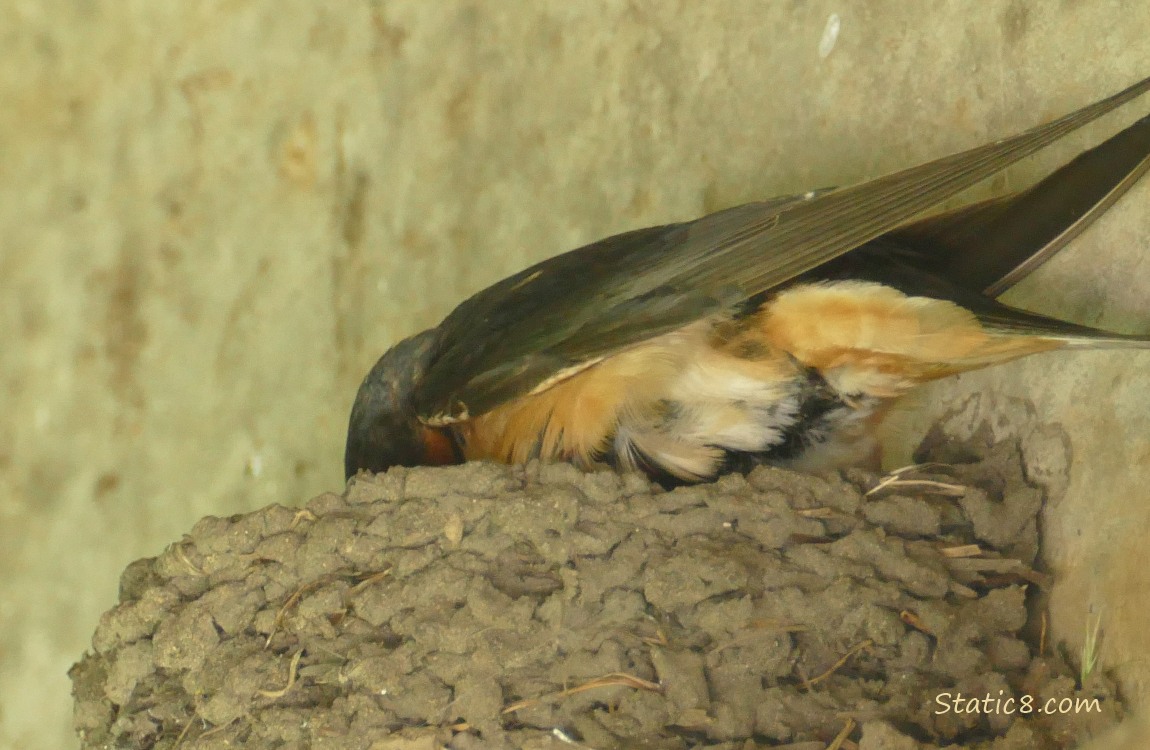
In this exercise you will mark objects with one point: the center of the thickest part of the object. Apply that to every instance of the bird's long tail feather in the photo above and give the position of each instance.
(990, 246)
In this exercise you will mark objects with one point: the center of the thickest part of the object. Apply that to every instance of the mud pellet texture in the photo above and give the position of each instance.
(486, 606)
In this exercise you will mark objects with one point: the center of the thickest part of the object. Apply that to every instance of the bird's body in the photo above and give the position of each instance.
(799, 381)
(775, 332)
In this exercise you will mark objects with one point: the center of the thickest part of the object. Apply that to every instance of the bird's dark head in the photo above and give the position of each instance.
(384, 429)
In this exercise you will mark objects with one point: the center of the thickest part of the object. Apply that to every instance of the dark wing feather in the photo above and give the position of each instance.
(516, 333)
(991, 245)
(594, 301)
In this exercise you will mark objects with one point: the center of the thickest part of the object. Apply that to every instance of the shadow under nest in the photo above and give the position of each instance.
(491, 606)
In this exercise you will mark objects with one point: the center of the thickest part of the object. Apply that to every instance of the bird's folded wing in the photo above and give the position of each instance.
(591, 302)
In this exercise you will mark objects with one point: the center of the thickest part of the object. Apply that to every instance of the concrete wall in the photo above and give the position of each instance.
(215, 215)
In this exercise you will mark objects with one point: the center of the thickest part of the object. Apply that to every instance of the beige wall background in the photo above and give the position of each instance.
(215, 215)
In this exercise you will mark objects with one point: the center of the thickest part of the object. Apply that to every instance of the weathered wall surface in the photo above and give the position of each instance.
(214, 216)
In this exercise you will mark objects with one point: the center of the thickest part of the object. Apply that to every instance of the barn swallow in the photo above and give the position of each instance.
(774, 332)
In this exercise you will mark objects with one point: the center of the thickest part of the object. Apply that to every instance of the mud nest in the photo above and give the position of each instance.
(489, 606)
